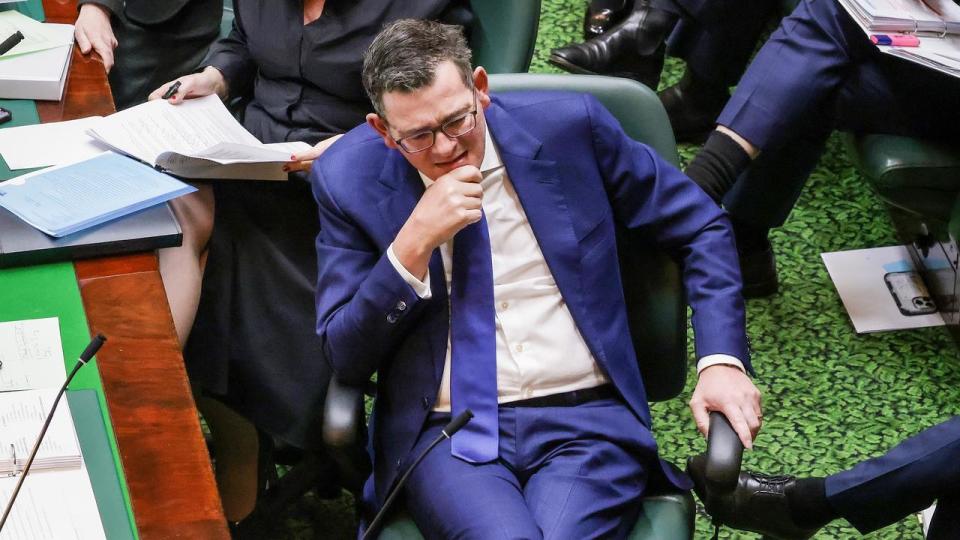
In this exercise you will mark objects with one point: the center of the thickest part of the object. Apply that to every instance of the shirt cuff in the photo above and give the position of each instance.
(422, 288)
(714, 359)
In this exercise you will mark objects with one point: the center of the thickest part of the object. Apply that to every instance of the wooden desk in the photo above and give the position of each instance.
(165, 461)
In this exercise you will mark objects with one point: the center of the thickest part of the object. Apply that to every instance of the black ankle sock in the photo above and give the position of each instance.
(718, 164)
(808, 503)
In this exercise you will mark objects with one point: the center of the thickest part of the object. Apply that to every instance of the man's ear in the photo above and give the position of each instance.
(481, 83)
(377, 123)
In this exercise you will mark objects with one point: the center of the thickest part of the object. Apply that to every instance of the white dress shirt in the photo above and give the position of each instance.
(540, 351)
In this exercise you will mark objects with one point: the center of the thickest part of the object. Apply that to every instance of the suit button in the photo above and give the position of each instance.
(392, 318)
(426, 403)
(401, 305)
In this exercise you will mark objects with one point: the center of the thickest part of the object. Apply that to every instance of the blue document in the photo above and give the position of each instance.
(69, 198)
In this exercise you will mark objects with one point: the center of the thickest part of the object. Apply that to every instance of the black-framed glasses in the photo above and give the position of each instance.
(453, 128)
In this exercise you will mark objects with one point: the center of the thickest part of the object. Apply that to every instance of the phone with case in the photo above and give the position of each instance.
(909, 293)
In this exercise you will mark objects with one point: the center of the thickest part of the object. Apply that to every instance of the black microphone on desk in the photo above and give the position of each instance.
(447, 432)
(85, 357)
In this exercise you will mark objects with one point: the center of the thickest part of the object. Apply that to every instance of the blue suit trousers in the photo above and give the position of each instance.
(819, 72)
(563, 472)
(907, 479)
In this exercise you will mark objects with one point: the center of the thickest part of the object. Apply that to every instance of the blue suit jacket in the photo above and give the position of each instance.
(577, 176)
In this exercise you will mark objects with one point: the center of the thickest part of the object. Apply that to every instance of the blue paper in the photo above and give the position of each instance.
(70, 198)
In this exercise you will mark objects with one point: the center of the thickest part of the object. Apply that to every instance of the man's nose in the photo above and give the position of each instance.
(443, 144)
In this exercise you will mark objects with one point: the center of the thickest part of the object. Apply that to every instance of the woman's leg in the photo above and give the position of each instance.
(182, 267)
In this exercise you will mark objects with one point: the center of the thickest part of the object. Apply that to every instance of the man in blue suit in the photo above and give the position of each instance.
(467, 255)
(871, 495)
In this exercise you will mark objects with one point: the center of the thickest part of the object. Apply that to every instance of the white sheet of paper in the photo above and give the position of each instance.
(147, 130)
(32, 355)
(37, 36)
(52, 505)
(56, 143)
(868, 281)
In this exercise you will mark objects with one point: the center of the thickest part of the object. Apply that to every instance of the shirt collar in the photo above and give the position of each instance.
(491, 159)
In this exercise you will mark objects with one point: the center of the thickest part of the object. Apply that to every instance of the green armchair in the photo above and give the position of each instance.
(656, 312)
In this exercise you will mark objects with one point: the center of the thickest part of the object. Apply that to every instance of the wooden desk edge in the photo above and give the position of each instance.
(165, 461)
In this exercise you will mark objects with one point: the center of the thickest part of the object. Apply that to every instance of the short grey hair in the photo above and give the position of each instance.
(405, 54)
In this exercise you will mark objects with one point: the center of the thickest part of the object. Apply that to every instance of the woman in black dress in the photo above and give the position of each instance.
(253, 346)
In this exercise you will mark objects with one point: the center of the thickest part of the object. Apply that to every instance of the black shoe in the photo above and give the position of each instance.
(693, 106)
(759, 503)
(759, 272)
(633, 48)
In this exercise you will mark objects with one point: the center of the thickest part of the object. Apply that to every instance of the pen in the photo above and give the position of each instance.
(896, 40)
(11, 42)
(172, 91)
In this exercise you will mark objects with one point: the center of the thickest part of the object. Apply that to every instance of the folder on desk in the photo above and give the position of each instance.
(23, 245)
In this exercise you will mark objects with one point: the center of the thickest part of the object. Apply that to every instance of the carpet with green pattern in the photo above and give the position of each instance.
(831, 397)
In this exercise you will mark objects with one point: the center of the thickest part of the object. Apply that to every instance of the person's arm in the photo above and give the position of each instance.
(368, 302)
(231, 57)
(93, 30)
(652, 196)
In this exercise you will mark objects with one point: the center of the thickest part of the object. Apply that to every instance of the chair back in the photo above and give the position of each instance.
(651, 280)
(503, 34)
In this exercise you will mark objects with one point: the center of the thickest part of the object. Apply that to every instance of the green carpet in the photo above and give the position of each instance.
(831, 397)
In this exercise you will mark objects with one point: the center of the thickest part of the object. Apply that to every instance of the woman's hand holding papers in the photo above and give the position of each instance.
(93, 32)
(209, 81)
(302, 161)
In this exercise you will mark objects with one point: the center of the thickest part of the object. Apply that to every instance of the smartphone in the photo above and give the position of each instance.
(910, 293)
(5, 115)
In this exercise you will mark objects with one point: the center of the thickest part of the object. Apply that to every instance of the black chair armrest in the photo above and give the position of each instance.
(724, 454)
(343, 417)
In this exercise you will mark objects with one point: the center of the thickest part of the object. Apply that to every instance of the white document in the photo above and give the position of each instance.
(37, 36)
(31, 354)
(881, 290)
(54, 143)
(197, 139)
(21, 418)
(52, 505)
(38, 75)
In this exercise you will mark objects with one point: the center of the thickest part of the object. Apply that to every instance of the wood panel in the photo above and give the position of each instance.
(165, 461)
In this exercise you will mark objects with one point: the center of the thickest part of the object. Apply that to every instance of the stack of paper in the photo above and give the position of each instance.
(36, 68)
(931, 16)
(57, 499)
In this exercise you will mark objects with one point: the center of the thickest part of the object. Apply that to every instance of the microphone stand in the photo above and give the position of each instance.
(85, 357)
(447, 432)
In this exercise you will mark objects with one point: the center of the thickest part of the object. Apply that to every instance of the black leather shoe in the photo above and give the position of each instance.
(633, 48)
(693, 107)
(759, 272)
(759, 503)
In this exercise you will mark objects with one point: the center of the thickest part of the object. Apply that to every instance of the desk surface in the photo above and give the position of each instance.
(165, 461)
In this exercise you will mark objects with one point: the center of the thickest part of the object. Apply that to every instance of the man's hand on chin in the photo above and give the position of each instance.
(727, 389)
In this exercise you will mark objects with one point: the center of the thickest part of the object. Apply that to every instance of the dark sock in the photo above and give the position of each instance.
(718, 164)
(808, 503)
(750, 238)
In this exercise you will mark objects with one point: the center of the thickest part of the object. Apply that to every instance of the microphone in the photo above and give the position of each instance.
(454, 426)
(85, 357)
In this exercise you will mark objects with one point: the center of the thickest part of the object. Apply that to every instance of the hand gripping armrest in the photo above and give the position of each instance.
(724, 454)
(342, 415)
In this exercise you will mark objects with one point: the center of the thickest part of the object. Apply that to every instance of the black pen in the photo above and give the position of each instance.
(11, 42)
(172, 91)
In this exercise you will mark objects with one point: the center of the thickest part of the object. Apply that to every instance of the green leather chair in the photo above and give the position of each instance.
(655, 305)
(919, 179)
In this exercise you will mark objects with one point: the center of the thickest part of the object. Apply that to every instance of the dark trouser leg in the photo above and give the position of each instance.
(946, 520)
(907, 479)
